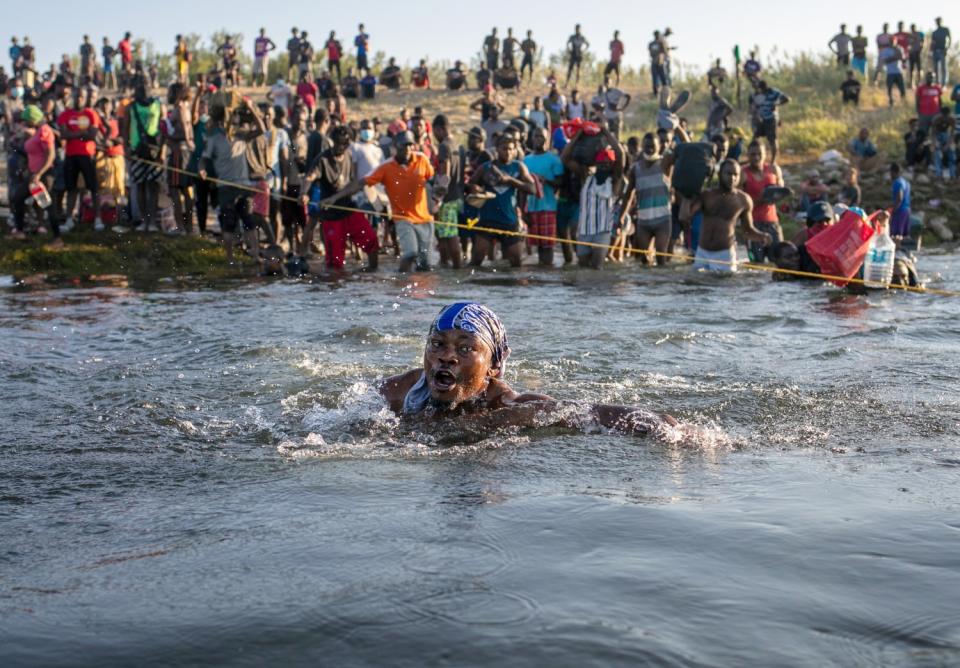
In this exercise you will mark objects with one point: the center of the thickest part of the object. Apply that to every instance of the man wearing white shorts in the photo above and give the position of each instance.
(722, 208)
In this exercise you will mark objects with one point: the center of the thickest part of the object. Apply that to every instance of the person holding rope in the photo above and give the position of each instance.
(404, 177)
(330, 173)
(225, 154)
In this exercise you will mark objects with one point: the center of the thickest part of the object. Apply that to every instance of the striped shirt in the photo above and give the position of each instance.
(597, 210)
(653, 193)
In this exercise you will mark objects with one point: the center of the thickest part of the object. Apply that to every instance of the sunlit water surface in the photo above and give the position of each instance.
(200, 474)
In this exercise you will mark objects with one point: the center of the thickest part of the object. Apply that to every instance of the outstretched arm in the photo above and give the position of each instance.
(537, 410)
(352, 188)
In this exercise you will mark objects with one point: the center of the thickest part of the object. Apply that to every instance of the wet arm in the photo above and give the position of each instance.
(524, 181)
(746, 219)
(626, 201)
(537, 410)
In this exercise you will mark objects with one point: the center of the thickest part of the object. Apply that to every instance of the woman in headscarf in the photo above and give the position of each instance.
(463, 365)
(39, 145)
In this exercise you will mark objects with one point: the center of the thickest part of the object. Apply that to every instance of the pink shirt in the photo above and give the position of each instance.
(38, 147)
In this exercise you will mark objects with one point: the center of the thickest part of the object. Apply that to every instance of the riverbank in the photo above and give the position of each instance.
(89, 256)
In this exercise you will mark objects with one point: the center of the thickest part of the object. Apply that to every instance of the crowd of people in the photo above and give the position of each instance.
(295, 174)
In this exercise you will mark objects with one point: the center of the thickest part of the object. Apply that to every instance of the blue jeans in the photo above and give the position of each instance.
(940, 66)
(695, 224)
(659, 75)
(943, 146)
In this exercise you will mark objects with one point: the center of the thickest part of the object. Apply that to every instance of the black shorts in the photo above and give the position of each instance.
(527, 61)
(768, 128)
(362, 62)
(74, 165)
(291, 212)
(611, 67)
(843, 59)
(235, 207)
(575, 59)
(506, 240)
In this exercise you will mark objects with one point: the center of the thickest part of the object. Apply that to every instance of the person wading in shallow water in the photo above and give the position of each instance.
(463, 365)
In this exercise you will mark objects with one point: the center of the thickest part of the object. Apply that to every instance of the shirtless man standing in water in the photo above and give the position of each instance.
(722, 207)
(463, 364)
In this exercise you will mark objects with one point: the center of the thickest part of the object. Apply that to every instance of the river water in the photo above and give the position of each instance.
(196, 474)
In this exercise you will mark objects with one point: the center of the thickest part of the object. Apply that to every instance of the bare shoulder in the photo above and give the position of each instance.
(745, 199)
(395, 388)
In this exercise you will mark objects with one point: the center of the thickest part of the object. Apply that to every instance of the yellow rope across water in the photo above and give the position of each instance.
(472, 224)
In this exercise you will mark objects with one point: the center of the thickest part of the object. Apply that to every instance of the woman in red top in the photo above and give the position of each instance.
(39, 146)
(308, 91)
(756, 178)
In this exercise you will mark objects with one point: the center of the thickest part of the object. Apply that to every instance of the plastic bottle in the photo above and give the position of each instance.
(39, 196)
(878, 264)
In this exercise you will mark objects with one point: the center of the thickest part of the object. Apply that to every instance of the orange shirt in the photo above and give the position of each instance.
(406, 186)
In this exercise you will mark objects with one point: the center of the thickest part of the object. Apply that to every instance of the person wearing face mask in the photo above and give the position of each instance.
(367, 156)
(13, 105)
(648, 184)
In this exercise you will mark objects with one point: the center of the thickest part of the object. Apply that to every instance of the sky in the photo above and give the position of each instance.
(454, 30)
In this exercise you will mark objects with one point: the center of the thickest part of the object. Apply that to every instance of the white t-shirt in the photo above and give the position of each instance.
(280, 93)
(367, 156)
(576, 110)
(538, 117)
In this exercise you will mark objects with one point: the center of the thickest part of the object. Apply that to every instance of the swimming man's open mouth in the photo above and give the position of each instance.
(444, 380)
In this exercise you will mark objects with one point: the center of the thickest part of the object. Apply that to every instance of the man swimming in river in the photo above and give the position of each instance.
(463, 364)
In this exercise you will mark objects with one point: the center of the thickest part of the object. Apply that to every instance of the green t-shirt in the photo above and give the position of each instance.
(149, 121)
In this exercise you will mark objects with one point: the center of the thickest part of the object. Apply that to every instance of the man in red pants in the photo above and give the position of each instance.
(332, 171)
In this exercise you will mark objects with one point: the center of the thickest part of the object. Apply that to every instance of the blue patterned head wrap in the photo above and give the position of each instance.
(479, 320)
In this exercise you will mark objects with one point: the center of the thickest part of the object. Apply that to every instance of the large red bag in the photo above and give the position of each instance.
(840, 249)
